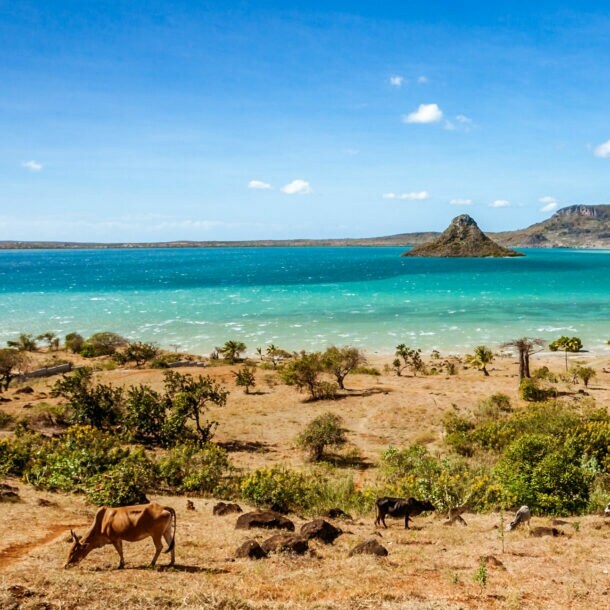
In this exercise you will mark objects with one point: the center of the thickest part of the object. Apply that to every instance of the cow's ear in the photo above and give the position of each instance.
(75, 538)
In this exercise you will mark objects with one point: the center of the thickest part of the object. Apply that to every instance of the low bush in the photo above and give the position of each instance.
(190, 468)
(530, 390)
(127, 482)
(323, 431)
(279, 487)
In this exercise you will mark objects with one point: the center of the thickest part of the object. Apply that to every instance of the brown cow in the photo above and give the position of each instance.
(130, 523)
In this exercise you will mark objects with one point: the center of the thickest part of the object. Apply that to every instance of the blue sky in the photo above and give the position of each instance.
(243, 120)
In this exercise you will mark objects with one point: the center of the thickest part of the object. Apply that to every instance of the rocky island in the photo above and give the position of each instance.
(462, 238)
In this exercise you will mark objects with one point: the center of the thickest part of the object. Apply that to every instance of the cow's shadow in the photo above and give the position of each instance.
(192, 569)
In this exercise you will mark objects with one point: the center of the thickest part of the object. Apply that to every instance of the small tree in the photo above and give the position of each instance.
(408, 358)
(324, 431)
(481, 357)
(12, 362)
(276, 354)
(191, 398)
(51, 339)
(25, 343)
(566, 344)
(584, 373)
(304, 373)
(340, 361)
(525, 347)
(231, 350)
(74, 342)
(245, 378)
(137, 352)
(102, 344)
(97, 405)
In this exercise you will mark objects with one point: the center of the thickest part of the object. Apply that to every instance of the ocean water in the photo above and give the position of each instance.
(306, 298)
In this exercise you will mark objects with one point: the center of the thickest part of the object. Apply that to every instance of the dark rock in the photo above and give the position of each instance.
(337, 513)
(226, 508)
(320, 529)
(45, 503)
(5, 399)
(25, 390)
(285, 543)
(267, 519)
(190, 505)
(250, 549)
(462, 238)
(369, 547)
(538, 532)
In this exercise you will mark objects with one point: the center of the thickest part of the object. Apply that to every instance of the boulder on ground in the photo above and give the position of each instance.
(267, 519)
(8, 493)
(26, 389)
(369, 547)
(538, 532)
(285, 543)
(226, 508)
(320, 529)
(337, 513)
(250, 549)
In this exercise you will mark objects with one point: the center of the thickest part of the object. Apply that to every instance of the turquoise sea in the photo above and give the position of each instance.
(306, 298)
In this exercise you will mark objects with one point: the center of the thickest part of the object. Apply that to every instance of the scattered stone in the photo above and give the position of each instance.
(337, 513)
(540, 531)
(5, 399)
(285, 543)
(369, 547)
(492, 561)
(267, 519)
(8, 493)
(45, 503)
(190, 505)
(226, 508)
(250, 549)
(26, 389)
(320, 529)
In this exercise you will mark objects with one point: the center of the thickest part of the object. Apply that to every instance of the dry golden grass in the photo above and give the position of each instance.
(429, 567)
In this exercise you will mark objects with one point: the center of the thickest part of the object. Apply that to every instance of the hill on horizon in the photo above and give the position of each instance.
(574, 226)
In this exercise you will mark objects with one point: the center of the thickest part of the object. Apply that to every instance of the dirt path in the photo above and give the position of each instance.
(15, 552)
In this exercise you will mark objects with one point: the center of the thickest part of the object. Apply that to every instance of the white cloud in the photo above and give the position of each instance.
(550, 203)
(422, 80)
(351, 152)
(33, 166)
(459, 201)
(449, 126)
(297, 187)
(462, 118)
(413, 196)
(500, 203)
(426, 113)
(259, 185)
(603, 150)
(397, 81)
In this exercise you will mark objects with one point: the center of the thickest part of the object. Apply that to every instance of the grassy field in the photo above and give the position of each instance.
(430, 566)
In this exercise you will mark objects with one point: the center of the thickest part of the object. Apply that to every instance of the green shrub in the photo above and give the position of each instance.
(68, 462)
(584, 373)
(530, 391)
(137, 352)
(457, 433)
(324, 431)
(6, 420)
(367, 370)
(102, 344)
(92, 404)
(546, 475)
(190, 468)
(328, 491)
(127, 482)
(245, 378)
(15, 452)
(544, 373)
(276, 486)
(74, 342)
(494, 406)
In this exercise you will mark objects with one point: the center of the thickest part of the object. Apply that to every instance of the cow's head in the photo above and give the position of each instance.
(78, 551)
(427, 505)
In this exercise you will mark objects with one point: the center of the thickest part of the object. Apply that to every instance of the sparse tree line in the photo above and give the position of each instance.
(121, 443)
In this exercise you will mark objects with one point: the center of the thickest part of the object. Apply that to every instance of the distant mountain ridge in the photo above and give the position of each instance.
(575, 226)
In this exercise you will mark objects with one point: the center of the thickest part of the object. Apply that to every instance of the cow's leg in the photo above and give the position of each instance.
(158, 549)
(383, 520)
(407, 521)
(118, 545)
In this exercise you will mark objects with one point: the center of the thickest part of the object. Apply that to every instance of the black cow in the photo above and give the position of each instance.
(400, 507)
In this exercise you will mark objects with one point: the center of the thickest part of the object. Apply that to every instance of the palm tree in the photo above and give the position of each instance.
(481, 357)
(231, 350)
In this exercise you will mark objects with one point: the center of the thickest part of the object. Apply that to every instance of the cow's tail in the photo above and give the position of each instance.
(172, 544)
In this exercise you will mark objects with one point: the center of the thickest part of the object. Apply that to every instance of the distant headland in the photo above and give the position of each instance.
(575, 226)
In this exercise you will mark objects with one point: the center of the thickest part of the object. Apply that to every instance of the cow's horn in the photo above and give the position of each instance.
(74, 536)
